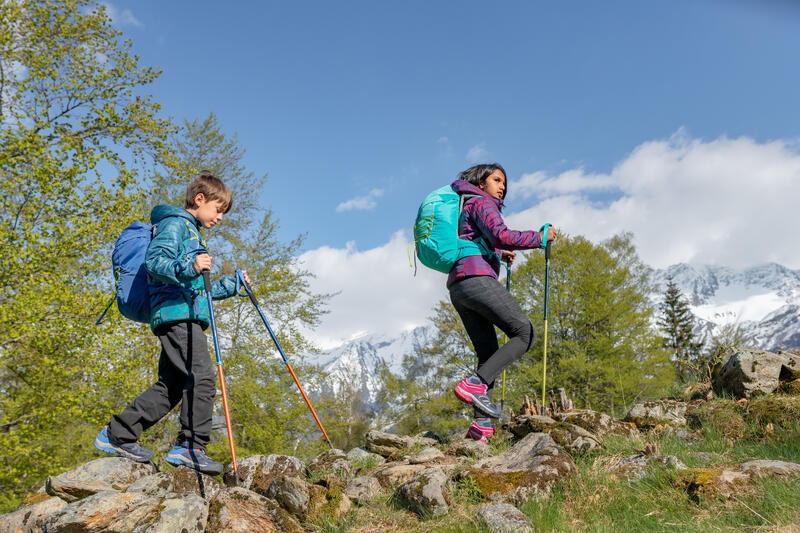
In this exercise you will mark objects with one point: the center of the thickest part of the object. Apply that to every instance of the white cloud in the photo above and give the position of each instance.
(477, 153)
(378, 290)
(124, 17)
(728, 201)
(362, 203)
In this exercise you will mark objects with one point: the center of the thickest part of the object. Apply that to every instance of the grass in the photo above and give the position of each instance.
(595, 500)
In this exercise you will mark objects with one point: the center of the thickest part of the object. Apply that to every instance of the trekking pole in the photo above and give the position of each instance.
(207, 282)
(240, 280)
(503, 393)
(546, 245)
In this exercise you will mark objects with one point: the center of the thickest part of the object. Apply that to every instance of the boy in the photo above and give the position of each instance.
(179, 313)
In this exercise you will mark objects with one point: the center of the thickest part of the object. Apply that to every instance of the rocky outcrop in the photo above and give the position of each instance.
(427, 493)
(333, 460)
(504, 518)
(31, 516)
(392, 446)
(635, 467)
(573, 438)
(324, 500)
(107, 473)
(257, 472)
(531, 466)
(599, 424)
(469, 448)
(362, 489)
(766, 468)
(240, 510)
(745, 373)
(181, 481)
(647, 415)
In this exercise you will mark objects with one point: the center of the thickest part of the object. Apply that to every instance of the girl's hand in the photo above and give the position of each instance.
(551, 234)
(508, 257)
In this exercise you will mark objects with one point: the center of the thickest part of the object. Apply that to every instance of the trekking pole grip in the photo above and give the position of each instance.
(240, 280)
(207, 281)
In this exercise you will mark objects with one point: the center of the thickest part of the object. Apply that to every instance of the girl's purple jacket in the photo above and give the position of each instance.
(481, 217)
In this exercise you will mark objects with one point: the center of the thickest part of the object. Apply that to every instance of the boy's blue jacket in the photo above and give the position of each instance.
(176, 290)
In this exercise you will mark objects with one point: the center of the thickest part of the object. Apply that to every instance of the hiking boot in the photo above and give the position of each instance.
(128, 450)
(195, 458)
(473, 390)
(481, 430)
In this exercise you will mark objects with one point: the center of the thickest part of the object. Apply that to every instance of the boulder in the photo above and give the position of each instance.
(634, 467)
(745, 372)
(428, 455)
(257, 472)
(572, 437)
(333, 461)
(324, 500)
(30, 518)
(599, 424)
(110, 511)
(387, 444)
(531, 466)
(361, 456)
(390, 476)
(504, 518)
(181, 481)
(427, 493)
(647, 415)
(765, 468)
(469, 448)
(188, 513)
(107, 473)
(712, 482)
(362, 489)
(291, 493)
(240, 510)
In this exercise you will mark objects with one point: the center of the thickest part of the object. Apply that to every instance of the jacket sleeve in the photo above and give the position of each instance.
(223, 288)
(162, 260)
(488, 220)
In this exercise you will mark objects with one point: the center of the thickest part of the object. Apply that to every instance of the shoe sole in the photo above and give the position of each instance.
(177, 460)
(467, 397)
(107, 447)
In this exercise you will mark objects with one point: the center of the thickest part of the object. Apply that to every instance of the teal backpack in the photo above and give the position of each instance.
(436, 231)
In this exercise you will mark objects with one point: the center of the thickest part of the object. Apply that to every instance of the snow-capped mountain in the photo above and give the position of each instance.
(764, 300)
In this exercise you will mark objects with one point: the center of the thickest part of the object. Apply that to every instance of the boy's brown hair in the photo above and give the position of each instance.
(211, 187)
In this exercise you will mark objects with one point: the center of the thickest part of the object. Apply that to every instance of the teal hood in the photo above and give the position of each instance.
(160, 212)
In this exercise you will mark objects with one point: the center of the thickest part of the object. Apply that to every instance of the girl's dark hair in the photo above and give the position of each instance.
(477, 175)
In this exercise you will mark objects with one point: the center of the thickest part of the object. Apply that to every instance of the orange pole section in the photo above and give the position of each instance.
(228, 423)
(308, 403)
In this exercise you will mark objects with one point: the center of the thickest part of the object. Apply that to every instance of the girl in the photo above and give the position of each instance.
(480, 301)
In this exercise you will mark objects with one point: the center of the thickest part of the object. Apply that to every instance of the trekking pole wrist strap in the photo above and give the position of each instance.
(545, 230)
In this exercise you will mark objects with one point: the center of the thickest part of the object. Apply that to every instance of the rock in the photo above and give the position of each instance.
(572, 437)
(257, 472)
(387, 444)
(470, 448)
(429, 435)
(393, 475)
(240, 510)
(791, 387)
(634, 467)
(427, 494)
(702, 457)
(181, 481)
(531, 466)
(599, 424)
(31, 518)
(427, 455)
(291, 493)
(697, 391)
(108, 511)
(187, 514)
(504, 518)
(333, 460)
(362, 489)
(423, 440)
(721, 414)
(107, 473)
(745, 372)
(764, 468)
(324, 500)
(701, 482)
(647, 415)
(782, 411)
(362, 456)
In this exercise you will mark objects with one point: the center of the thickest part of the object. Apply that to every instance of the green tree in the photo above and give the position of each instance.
(677, 322)
(75, 137)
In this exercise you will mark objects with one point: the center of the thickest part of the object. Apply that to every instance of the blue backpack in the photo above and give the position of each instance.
(436, 231)
(132, 291)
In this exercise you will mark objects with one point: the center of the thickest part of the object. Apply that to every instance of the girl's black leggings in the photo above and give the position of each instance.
(483, 303)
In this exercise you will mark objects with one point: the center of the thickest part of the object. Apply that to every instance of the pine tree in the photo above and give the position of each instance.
(677, 323)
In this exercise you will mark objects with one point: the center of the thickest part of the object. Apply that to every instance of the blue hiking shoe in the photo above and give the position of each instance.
(194, 458)
(128, 450)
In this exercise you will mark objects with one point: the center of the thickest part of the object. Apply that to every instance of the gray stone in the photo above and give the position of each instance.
(427, 494)
(504, 518)
(599, 424)
(362, 455)
(237, 510)
(107, 473)
(573, 438)
(702, 457)
(333, 460)
(362, 489)
(532, 466)
(745, 372)
(767, 467)
(393, 474)
(291, 493)
(181, 481)
(387, 444)
(470, 448)
(30, 518)
(634, 467)
(257, 472)
(107, 511)
(427, 455)
(187, 514)
(647, 415)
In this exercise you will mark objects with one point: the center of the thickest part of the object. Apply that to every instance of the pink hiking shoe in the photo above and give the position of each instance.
(473, 390)
(481, 430)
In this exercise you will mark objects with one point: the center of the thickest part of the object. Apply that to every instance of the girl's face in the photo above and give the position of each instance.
(495, 184)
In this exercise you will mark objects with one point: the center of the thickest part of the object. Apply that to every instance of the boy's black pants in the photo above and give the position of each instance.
(482, 303)
(186, 375)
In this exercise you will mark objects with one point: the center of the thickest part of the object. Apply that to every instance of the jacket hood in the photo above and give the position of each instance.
(464, 187)
(160, 212)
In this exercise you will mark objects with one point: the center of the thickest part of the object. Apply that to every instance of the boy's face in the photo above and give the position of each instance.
(209, 213)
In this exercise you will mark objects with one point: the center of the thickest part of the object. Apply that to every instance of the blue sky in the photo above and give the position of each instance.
(376, 104)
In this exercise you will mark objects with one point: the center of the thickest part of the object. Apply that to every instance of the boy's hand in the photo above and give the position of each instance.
(551, 234)
(508, 256)
(202, 262)
(245, 276)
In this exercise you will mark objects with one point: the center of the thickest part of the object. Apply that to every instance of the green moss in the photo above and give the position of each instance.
(782, 411)
(722, 415)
